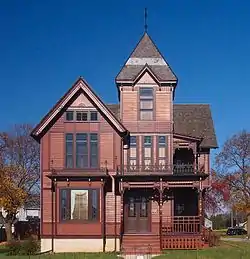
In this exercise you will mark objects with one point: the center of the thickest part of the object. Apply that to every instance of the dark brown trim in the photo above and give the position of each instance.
(103, 216)
(79, 236)
(41, 177)
(56, 209)
(185, 137)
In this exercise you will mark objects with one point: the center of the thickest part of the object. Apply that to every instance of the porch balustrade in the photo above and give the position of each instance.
(181, 225)
(176, 169)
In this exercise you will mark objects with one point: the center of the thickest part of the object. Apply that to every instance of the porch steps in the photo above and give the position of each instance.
(141, 244)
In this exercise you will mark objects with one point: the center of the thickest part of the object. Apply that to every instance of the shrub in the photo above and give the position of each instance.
(27, 247)
(14, 248)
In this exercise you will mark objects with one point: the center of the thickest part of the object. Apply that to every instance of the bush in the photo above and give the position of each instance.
(27, 247)
(30, 247)
(14, 248)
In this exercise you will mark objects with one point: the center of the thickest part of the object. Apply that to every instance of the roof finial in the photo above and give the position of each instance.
(145, 20)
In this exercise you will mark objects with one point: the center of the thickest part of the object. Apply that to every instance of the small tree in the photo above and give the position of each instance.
(19, 172)
(233, 165)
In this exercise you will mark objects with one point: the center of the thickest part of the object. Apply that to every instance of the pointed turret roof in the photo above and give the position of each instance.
(146, 55)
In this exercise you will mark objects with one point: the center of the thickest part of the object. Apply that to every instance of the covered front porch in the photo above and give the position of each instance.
(162, 214)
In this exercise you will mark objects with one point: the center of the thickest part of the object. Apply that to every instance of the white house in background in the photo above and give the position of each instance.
(208, 223)
(30, 210)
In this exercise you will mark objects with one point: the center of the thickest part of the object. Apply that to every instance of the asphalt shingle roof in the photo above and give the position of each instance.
(194, 120)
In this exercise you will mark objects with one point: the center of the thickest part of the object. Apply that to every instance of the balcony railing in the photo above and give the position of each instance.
(176, 169)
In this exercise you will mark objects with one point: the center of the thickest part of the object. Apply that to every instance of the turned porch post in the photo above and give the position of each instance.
(160, 212)
(200, 203)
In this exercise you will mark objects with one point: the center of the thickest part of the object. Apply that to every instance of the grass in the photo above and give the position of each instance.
(227, 250)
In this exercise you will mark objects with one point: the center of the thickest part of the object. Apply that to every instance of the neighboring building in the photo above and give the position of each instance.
(30, 210)
(128, 176)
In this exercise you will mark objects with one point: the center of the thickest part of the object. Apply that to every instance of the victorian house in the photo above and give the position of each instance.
(129, 176)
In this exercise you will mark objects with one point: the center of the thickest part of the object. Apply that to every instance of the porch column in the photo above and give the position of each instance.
(121, 220)
(200, 203)
(103, 195)
(160, 212)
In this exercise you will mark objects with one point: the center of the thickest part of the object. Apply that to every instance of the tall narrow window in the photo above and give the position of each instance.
(132, 154)
(81, 150)
(93, 150)
(162, 152)
(147, 152)
(69, 150)
(69, 115)
(146, 103)
(64, 205)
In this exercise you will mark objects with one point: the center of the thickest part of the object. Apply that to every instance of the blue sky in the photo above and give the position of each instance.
(46, 45)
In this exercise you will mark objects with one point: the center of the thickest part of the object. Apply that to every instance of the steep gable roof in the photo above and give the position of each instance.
(193, 120)
(146, 53)
(80, 86)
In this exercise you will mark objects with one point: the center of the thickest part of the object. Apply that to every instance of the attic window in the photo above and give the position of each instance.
(69, 115)
(81, 116)
(93, 116)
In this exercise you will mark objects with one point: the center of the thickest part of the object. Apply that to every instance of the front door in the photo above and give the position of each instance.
(137, 214)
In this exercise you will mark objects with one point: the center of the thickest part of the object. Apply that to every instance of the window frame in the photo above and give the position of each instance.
(162, 145)
(88, 112)
(70, 112)
(66, 153)
(147, 145)
(146, 98)
(68, 205)
(89, 154)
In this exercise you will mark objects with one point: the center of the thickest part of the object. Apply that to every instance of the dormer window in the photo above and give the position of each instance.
(146, 103)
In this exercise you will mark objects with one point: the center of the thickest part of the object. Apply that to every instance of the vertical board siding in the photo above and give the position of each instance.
(57, 150)
(106, 149)
(129, 105)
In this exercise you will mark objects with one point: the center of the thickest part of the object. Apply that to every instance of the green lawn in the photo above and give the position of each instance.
(227, 250)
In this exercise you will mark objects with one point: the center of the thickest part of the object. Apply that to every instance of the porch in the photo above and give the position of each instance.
(152, 222)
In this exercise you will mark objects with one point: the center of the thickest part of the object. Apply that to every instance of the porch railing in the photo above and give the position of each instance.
(176, 169)
(181, 225)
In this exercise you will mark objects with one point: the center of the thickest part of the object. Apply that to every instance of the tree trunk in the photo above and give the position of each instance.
(8, 231)
(248, 225)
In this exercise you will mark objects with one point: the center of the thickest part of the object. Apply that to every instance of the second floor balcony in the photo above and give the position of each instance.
(175, 169)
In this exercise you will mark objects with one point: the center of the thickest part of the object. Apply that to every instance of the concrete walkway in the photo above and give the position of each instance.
(235, 239)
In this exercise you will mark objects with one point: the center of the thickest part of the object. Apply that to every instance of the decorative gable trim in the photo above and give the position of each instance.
(185, 137)
(81, 86)
(143, 71)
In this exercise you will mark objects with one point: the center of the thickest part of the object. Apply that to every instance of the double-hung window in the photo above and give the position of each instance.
(146, 103)
(147, 151)
(162, 152)
(82, 150)
(133, 153)
(69, 138)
